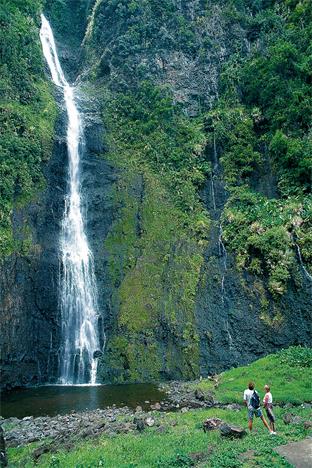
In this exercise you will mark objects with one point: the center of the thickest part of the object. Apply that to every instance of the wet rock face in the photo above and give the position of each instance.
(237, 319)
(98, 179)
(28, 283)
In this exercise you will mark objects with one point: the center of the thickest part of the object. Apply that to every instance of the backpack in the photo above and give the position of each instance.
(255, 400)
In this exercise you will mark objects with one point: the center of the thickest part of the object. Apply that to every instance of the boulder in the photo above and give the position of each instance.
(211, 424)
(161, 429)
(199, 394)
(3, 457)
(156, 406)
(139, 423)
(40, 451)
(234, 407)
(150, 422)
(307, 425)
(227, 430)
(290, 418)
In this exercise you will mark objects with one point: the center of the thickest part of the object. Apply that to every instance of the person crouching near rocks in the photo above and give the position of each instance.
(252, 402)
(268, 404)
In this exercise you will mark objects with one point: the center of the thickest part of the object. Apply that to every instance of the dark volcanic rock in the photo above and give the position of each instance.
(232, 431)
(289, 418)
(3, 457)
(199, 395)
(235, 327)
(211, 424)
(28, 282)
(139, 423)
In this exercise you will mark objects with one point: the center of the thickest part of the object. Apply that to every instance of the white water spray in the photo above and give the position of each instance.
(78, 294)
(307, 274)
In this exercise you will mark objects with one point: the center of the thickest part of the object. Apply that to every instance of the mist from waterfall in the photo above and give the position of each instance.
(77, 285)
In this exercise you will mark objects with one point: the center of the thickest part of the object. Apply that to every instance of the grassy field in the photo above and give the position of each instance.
(289, 373)
(177, 439)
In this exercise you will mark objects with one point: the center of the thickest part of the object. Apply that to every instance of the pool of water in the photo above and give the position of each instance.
(58, 399)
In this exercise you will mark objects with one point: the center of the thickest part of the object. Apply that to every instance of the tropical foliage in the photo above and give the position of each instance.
(27, 113)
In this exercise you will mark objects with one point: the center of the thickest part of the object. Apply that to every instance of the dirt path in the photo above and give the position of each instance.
(297, 453)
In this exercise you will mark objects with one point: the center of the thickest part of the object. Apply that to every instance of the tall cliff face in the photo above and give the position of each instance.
(192, 230)
(205, 268)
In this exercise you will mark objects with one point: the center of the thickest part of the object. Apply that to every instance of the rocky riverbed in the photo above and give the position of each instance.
(66, 429)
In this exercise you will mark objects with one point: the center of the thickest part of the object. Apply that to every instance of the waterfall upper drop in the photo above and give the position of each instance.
(77, 286)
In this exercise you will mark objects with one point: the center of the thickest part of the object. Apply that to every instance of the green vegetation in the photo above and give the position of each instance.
(260, 123)
(181, 434)
(182, 438)
(157, 241)
(27, 114)
(262, 126)
(288, 372)
(259, 126)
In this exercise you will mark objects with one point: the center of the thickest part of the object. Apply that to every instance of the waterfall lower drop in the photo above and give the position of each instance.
(77, 288)
(307, 274)
(221, 246)
(223, 255)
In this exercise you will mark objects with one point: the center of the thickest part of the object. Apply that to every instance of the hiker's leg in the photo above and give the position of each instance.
(271, 418)
(250, 418)
(265, 423)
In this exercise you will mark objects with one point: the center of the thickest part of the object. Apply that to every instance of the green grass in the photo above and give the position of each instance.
(174, 446)
(182, 433)
(290, 381)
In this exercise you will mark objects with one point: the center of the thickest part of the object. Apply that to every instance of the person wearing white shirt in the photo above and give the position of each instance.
(268, 404)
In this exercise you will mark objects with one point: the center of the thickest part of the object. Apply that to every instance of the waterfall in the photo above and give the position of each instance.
(223, 255)
(307, 274)
(77, 285)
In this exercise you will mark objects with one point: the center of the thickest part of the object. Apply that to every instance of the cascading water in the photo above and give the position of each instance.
(77, 288)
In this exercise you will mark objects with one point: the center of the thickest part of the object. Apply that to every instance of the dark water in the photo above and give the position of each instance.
(56, 399)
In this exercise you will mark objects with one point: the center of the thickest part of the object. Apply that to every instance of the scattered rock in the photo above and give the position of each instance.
(248, 455)
(63, 428)
(150, 422)
(198, 457)
(232, 431)
(199, 395)
(307, 425)
(211, 424)
(3, 457)
(290, 418)
(161, 429)
(41, 450)
(288, 405)
(138, 409)
(139, 423)
(234, 407)
(156, 407)
(185, 409)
